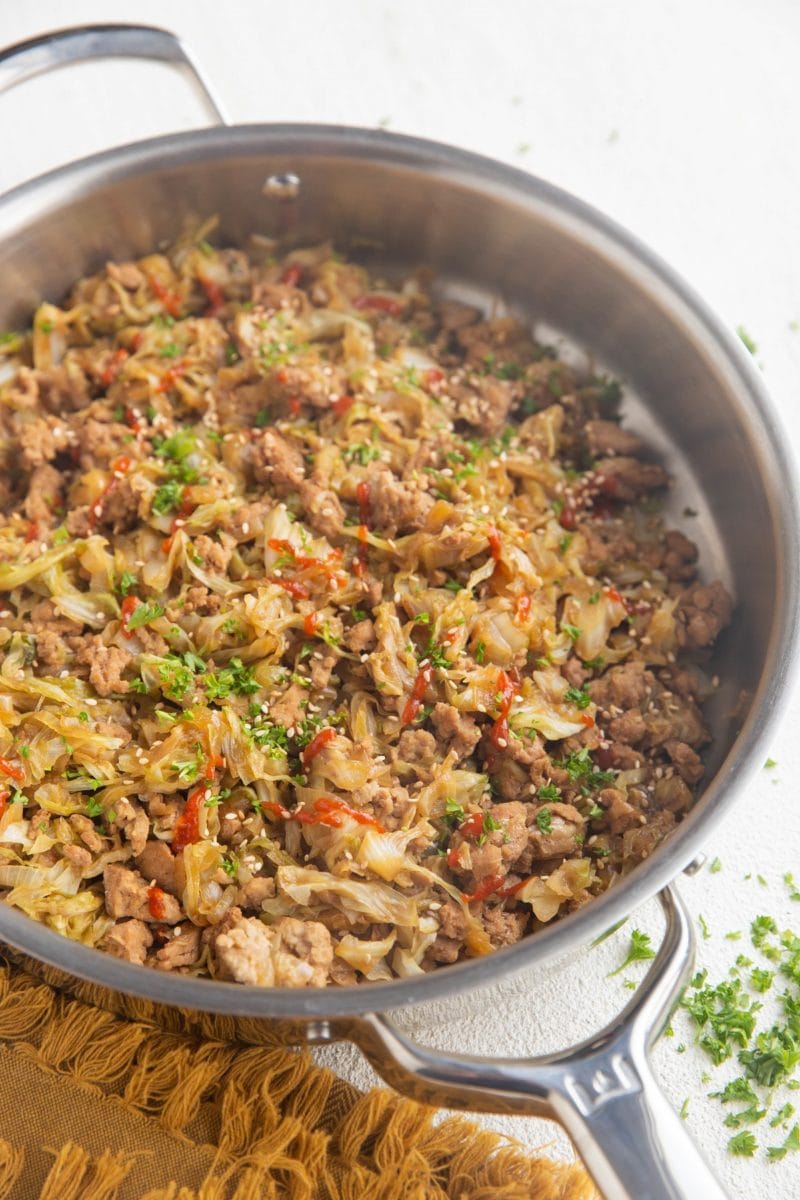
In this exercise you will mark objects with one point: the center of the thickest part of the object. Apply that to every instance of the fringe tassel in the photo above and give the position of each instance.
(283, 1129)
(11, 1164)
(65, 1177)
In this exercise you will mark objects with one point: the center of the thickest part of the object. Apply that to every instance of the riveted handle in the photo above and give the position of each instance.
(41, 54)
(602, 1090)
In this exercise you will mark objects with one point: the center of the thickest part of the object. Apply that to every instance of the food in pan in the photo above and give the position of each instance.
(342, 636)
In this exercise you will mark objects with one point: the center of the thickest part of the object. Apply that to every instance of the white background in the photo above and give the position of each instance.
(681, 119)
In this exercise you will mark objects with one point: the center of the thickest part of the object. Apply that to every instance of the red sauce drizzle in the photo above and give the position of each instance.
(384, 304)
(119, 467)
(487, 887)
(127, 609)
(329, 811)
(298, 590)
(508, 687)
(616, 596)
(214, 295)
(342, 405)
(414, 702)
(433, 375)
(317, 743)
(473, 825)
(170, 377)
(156, 902)
(187, 826)
(11, 770)
(113, 369)
(292, 275)
(523, 608)
(32, 531)
(325, 811)
(170, 300)
(362, 496)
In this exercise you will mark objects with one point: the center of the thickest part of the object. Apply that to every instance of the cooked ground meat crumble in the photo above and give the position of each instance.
(341, 634)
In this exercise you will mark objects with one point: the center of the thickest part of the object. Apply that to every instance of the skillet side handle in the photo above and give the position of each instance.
(602, 1090)
(630, 1138)
(38, 55)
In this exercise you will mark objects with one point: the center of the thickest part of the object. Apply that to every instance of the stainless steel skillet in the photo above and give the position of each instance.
(487, 231)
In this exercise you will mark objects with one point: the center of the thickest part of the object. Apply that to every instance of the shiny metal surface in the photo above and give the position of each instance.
(490, 234)
(507, 234)
(602, 1090)
(63, 46)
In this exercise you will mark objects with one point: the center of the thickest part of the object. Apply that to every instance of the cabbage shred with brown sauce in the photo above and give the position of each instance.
(341, 635)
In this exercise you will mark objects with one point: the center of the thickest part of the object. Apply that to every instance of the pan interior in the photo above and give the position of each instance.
(494, 237)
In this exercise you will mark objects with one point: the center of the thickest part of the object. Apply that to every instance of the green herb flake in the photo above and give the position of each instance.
(640, 951)
(549, 791)
(775, 1153)
(144, 613)
(454, 813)
(743, 1144)
(578, 696)
(544, 820)
(746, 339)
(167, 497)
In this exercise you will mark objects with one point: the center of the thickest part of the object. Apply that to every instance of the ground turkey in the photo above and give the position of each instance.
(106, 664)
(277, 462)
(127, 896)
(181, 950)
(460, 733)
(290, 953)
(129, 940)
(396, 506)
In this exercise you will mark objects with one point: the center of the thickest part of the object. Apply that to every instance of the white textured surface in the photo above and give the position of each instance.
(681, 120)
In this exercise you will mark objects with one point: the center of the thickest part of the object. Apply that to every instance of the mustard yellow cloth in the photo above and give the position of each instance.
(96, 1107)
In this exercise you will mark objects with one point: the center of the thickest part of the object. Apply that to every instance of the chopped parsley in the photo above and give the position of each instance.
(544, 820)
(454, 813)
(167, 497)
(792, 1142)
(235, 679)
(480, 653)
(126, 582)
(743, 1143)
(582, 771)
(573, 632)
(746, 339)
(144, 613)
(549, 791)
(578, 696)
(640, 951)
(361, 453)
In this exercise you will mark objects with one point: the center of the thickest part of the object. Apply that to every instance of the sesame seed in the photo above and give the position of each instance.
(245, 526)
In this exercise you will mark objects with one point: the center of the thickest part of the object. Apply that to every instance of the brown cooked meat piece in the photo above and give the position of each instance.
(127, 896)
(106, 664)
(290, 953)
(129, 940)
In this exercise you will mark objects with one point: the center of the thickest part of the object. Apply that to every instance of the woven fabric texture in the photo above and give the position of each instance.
(96, 1107)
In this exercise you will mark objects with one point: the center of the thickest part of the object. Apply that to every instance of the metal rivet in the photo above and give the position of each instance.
(319, 1031)
(695, 865)
(285, 186)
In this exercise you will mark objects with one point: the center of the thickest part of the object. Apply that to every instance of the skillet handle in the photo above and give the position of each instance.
(41, 54)
(602, 1091)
